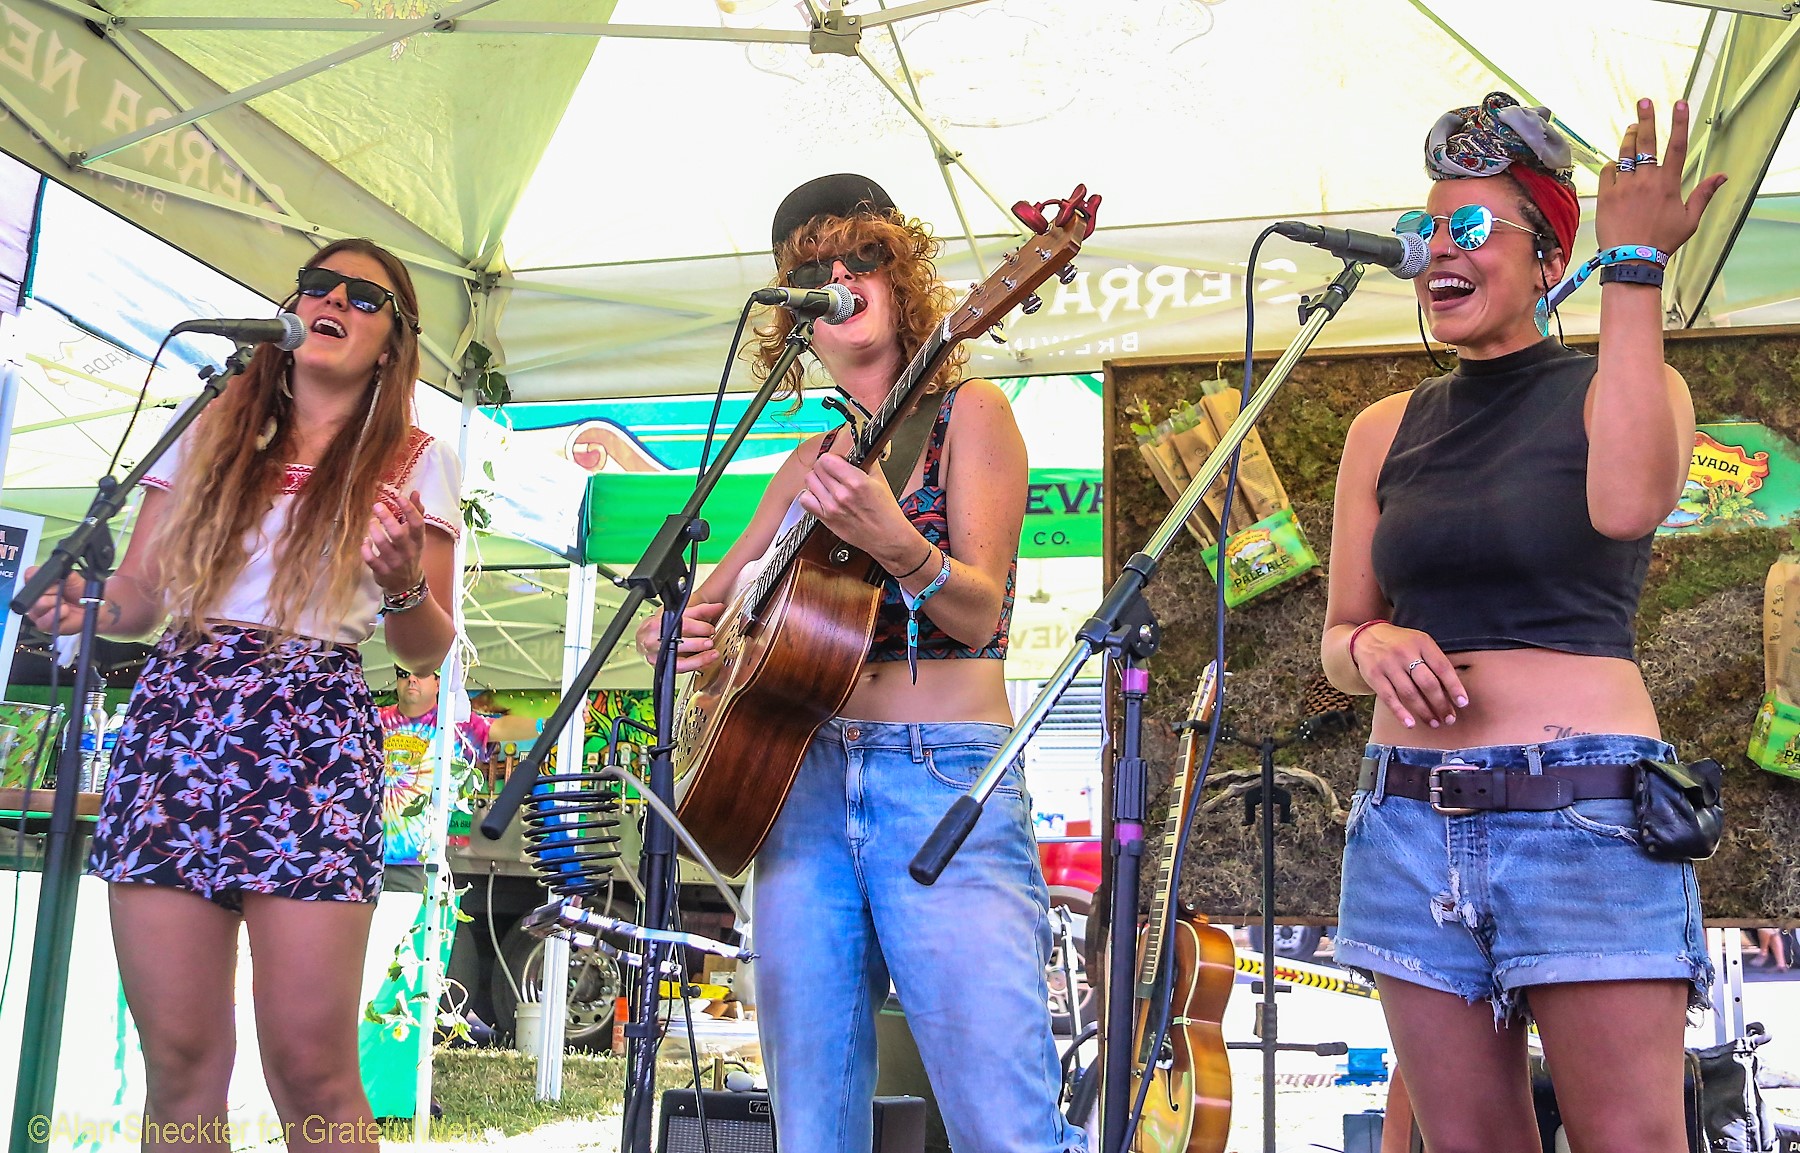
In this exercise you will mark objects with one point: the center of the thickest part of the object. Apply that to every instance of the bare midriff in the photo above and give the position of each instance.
(972, 689)
(1529, 696)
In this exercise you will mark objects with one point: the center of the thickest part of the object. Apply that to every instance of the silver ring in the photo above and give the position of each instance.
(1642, 159)
(1411, 665)
(1627, 164)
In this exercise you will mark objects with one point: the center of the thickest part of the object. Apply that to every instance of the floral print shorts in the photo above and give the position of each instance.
(242, 768)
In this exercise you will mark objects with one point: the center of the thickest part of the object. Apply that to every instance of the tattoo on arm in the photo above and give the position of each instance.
(113, 613)
(1560, 732)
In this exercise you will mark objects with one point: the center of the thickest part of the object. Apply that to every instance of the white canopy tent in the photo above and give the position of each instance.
(585, 186)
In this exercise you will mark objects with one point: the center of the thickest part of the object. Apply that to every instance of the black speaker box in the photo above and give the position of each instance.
(745, 1123)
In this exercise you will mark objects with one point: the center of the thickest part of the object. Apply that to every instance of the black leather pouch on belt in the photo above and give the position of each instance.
(1679, 813)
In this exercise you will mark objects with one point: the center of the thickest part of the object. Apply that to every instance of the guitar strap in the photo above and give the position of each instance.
(908, 442)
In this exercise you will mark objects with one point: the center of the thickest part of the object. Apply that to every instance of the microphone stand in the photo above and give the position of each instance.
(661, 574)
(1124, 621)
(88, 550)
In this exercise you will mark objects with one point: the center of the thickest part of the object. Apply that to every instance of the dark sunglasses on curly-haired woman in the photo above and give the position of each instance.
(818, 273)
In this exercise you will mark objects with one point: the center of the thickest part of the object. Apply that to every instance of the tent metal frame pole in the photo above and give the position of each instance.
(1584, 152)
(510, 280)
(620, 340)
(132, 51)
(399, 31)
(1772, 9)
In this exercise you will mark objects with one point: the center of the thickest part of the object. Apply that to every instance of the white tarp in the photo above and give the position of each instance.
(608, 172)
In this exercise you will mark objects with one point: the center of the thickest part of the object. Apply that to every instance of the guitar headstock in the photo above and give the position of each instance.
(1206, 697)
(1047, 253)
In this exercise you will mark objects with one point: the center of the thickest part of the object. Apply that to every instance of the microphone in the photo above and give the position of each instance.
(283, 330)
(834, 304)
(1405, 256)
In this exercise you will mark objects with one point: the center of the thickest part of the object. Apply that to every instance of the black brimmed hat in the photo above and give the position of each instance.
(841, 194)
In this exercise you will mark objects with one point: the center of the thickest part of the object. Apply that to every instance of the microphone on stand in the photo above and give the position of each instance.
(283, 330)
(1405, 255)
(832, 304)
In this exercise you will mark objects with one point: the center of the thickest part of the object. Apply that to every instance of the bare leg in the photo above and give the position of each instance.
(1466, 1078)
(177, 956)
(1615, 1052)
(307, 957)
(1396, 1126)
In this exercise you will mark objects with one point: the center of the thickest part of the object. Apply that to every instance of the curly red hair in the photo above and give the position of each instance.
(920, 301)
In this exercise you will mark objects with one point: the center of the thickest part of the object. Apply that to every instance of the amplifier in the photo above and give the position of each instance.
(745, 1123)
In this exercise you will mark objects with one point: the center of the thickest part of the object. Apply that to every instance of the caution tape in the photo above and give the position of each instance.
(1309, 977)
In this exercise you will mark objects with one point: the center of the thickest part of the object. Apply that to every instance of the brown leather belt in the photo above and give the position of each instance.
(1456, 789)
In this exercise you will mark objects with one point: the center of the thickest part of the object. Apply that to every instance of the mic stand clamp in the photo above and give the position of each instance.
(88, 550)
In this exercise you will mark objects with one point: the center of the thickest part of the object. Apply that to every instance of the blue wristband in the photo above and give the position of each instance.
(912, 612)
(1623, 252)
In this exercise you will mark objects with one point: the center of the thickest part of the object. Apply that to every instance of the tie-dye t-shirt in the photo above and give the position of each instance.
(406, 796)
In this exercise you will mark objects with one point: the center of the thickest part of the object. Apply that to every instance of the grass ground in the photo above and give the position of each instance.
(494, 1092)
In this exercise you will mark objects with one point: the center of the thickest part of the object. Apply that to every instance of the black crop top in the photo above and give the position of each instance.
(1484, 540)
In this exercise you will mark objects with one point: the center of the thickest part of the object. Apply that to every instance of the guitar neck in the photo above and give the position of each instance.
(1156, 929)
(869, 440)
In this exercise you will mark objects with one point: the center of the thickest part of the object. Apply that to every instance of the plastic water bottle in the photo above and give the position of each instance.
(93, 736)
(107, 742)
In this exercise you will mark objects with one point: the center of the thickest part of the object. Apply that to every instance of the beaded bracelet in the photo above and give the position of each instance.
(1357, 632)
(912, 613)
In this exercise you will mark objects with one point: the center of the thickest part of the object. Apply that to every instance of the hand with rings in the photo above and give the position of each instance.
(1410, 674)
(1640, 199)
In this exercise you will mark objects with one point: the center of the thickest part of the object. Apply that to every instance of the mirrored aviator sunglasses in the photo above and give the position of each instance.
(818, 273)
(1470, 225)
(364, 295)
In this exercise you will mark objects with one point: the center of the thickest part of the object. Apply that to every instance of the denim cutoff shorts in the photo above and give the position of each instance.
(1488, 904)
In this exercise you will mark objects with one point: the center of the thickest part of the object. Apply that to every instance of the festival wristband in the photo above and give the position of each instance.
(1623, 252)
(912, 613)
(1357, 632)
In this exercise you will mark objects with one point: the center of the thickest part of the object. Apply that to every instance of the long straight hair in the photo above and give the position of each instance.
(229, 479)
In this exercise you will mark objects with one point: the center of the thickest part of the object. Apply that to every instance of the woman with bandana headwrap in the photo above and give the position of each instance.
(1492, 529)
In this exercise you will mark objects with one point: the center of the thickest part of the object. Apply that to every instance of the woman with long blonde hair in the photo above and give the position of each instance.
(298, 510)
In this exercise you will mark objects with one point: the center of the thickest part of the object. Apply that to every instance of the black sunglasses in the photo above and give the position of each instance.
(818, 273)
(363, 295)
(402, 674)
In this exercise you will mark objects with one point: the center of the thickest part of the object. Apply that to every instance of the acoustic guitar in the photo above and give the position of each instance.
(1188, 1106)
(792, 641)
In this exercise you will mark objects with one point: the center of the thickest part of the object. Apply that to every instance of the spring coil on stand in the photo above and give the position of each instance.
(572, 831)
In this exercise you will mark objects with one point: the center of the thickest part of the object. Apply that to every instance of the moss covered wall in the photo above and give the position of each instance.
(1700, 629)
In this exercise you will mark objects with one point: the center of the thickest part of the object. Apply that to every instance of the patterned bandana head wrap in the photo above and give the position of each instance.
(1500, 135)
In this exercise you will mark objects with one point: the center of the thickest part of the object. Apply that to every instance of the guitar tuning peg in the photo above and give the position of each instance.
(1067, 274)
(1032, 303)
(997, 336)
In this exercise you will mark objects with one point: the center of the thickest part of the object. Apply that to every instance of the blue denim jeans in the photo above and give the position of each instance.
(837, 914)
(1485, 905)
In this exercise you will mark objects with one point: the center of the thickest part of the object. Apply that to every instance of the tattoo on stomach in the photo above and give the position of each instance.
(1560, 732)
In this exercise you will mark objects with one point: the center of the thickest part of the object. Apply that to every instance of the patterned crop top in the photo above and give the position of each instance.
(926, 507)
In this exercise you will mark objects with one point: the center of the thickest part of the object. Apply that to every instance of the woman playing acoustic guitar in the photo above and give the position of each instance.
(836, 912)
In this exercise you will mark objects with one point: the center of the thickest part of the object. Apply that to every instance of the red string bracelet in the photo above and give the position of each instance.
(1357, 632)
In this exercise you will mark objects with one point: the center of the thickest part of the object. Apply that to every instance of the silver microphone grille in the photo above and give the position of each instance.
(1418, 255)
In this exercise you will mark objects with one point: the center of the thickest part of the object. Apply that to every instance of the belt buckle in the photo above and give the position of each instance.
(1434, 789)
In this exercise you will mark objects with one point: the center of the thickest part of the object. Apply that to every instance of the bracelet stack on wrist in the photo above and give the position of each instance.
(400, 602)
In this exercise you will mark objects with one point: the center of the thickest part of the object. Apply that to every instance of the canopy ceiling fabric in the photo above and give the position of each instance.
(586, 186)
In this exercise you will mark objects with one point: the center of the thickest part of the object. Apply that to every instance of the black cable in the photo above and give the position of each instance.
(687, 1009)
(143, 394)
(1426, 340)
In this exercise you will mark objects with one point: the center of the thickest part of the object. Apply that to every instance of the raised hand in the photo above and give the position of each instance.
(394, 546)
(1640, 195)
